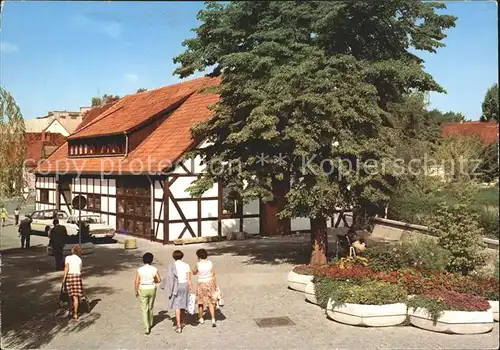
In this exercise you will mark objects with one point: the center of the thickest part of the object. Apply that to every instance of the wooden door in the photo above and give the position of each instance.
(133, 206)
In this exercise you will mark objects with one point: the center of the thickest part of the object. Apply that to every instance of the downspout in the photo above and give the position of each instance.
(152, 199)
(126, 144)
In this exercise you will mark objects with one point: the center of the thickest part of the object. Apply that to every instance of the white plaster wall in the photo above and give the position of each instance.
(251, 208)
(179, 170)
(178, 188)
(158, 213)
(104, 186)
(297, 224)
(56, 127)
(112, 221)
(77, 184)
(52, 196)
(209, 228)
(230, 225)
(212, 192)
(189, 209)
(112, 187)
(90, 185)
(209, 208)
(251, 225)
(112, 204)
(159, 234)
(104, 203)
(158, 190)
(174, 230)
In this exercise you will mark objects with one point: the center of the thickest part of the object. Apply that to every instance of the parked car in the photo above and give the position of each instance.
(97, 227)
(84, 240)
(42, 219)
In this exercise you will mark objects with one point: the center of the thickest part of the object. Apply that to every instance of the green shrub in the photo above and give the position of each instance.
(422, 254)
(417, 203)
(488, 220)
(364, 292)
(460, 234)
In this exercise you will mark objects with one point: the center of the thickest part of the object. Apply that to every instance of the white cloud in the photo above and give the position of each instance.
(7, 47)
(131, 77)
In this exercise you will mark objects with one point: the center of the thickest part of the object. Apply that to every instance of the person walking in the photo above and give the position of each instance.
(73, 279)
(25, 232)
(3, 215)
(178, 285)
(16, 215)
(207, 286)
(58, 236)
(146, 278)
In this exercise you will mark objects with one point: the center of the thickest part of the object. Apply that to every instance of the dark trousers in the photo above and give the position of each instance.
(58, 256)
(17, 219)
(25, 239)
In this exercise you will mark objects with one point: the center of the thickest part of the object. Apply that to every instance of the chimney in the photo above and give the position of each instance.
(84, 109)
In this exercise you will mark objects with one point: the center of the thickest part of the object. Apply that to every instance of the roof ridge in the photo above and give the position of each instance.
(103, 115)
(171, 85)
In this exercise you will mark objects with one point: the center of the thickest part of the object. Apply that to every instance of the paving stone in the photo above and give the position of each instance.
(252, 275)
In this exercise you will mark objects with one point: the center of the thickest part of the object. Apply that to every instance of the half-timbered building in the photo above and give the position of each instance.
(130, 165)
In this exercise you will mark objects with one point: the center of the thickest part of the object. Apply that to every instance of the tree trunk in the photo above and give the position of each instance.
(319, 242)
(273, 225)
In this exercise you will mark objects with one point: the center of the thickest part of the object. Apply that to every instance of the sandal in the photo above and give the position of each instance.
(178, 330)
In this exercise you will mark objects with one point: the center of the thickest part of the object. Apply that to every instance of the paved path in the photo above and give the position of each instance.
(252, 275)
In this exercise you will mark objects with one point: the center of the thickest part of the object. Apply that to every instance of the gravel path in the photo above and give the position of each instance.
(252, 275)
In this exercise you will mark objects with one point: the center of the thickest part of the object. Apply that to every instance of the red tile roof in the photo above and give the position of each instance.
(92, 114)
(35, 143)
(162, 147)
(488, 132)
(132, 110)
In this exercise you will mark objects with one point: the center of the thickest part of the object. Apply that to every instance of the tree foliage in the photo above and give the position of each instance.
(460, 234)
(100, 101)
(490, 105)
(141, 90)
(12, 146)
(310, 81)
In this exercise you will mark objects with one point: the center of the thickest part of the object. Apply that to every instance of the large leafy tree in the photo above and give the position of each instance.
(490, 105)
(308, 85)
(12, 146)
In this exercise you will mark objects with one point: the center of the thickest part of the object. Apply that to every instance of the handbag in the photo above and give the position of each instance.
(218, 297)
(63, 295)
(191, 304)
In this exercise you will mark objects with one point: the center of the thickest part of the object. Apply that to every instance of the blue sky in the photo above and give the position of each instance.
(58, 55)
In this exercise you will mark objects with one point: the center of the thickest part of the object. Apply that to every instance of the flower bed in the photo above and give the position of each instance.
(366, 303)
(451, 312)
(297, 279)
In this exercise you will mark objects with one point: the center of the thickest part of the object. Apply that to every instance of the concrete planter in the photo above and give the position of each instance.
(310, 293)
(298, 282)
(453, 322)
(368, 315)
(494, 308)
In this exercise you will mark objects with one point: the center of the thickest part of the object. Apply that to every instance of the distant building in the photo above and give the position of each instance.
(487, 131)
(39, 146)
(62, 122)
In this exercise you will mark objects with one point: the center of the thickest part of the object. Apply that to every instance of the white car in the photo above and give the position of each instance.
(42, 220)
(98, 228)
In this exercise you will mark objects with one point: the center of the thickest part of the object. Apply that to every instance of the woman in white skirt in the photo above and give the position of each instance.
(178, 286)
